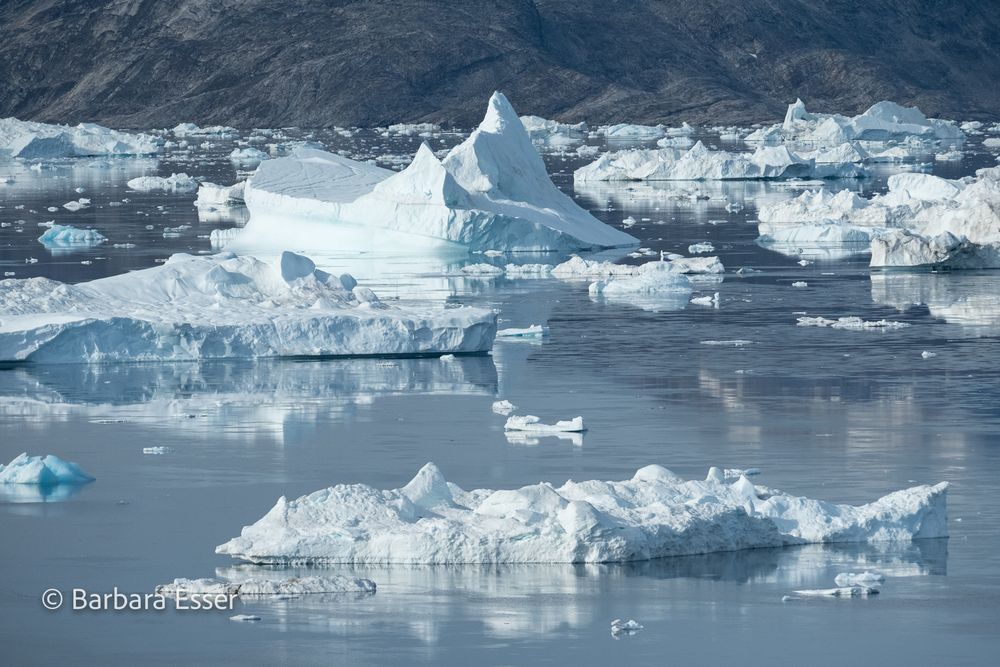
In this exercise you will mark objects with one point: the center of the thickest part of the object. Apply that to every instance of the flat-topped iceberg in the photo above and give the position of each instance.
(701, 164)
(883, 121)
(653, 515)
(47, 470)
(921, 221)
(546, 131)
(491, 192)
(27, 139)
(223, 306)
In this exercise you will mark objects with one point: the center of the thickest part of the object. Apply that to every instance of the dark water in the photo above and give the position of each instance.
(840, 415)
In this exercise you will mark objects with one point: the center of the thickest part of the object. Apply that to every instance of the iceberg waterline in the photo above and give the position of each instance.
(490, 192)
(654, 514)
(223, 306)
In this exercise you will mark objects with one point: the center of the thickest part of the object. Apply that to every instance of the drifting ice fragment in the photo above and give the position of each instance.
(626, 628)
(534, 424)
(504, 407)
(859, 579)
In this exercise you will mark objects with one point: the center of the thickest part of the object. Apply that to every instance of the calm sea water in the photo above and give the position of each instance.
(840, 415)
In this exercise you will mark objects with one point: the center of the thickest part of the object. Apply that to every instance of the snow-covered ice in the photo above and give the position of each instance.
(882, 121)
(180, 183)
(503, 407)
(45, 470)
(26, 139)
(491, 192)
(701, 164)
(534, 424)
(223, 306)
(655, 514)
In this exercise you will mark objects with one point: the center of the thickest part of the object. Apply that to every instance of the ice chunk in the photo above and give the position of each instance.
(842, 592)
(534, 424)
(621, 628)
(214, 131)
(67, 235)
(859, 579)
(248, 156)
(553, 132)
(27, 139)
(703, 247)
(45, 470)
(222, 306)
(533, 331)
(653, 515)
(180, 183)
(212, 196)
(852, 323)
(245, 618)
(503, 407)
(491, 192)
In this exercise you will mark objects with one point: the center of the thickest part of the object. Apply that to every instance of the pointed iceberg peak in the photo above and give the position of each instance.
(428, 488)
(500, 115)
(425, 154)
(425, 180)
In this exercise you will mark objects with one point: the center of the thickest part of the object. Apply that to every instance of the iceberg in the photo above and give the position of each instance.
(223, 306)
(883, 121)
(180, 183)
(921, 221)
(26, 139)
(46, 470)
(491, 192)
(248, 156)
(650, 278)
(63, 236)
(213, 131)
(701, 164)
(553, 132)
(219, 197)
(629, 132)
(654, 514)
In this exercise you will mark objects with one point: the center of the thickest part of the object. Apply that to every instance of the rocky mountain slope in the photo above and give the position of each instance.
(145, 63)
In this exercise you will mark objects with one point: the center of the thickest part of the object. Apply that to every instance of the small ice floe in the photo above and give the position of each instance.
(245, 618)
(159, 449)
(866, 578)
(258, 587)
(77, 205)
(45, 470)
(534, 424)
(447, 357)
(699, 248)
(710, 300)
(179, 183)
(482, 270)
(248, 156)
(840, 592)
(800, 283)
(851, 323)
(629, 222)
(620, 628)
(528, 270)
(950, 156)
(928, 355)
(534, 331)
(804, 262)
(736, 473)
(737, 342)
(503, 407)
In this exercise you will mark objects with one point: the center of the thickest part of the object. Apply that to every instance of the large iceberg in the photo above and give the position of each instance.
(884, 121)
(921, 221)
(653, 515)
(27, 139)
(491, 192)
(223, 306)
(701, 164)
(67, 236)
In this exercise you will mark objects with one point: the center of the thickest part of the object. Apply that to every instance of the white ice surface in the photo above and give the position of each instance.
(32, 140)
(45, 470)
(67, 235)
(491, 192)
(534, 424)
(180, 183)
(654, 514)
(223, 306)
